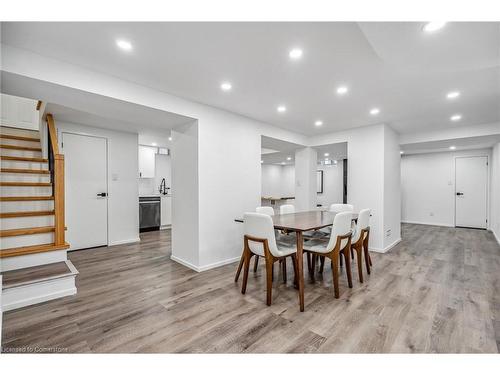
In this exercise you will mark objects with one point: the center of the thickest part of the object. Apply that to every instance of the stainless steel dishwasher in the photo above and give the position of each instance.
(149, 213)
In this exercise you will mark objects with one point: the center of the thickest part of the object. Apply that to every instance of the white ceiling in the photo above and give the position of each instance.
(470, 143)
(394, 66)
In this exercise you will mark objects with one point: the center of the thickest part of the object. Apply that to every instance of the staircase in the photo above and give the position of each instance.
(33, 256)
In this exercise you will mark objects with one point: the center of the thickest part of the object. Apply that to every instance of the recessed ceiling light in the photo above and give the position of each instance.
(335, 162)
(433, 26)
(456, 117)
(124, 44)
(453, 94)
(341, 90)
(262, 161)
(154, 144)
(226, 86)
(283, 163)
(374, 111)
(295, 54)
(289, 158)
(453, 147)
(327, 154)
(401, 152)
(169, 138)
(318, 123)
(281, 109)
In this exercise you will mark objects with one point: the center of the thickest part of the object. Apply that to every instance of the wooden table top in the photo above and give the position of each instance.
(304, 221)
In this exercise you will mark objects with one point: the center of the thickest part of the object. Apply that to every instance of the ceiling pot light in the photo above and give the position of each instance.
(341, 90)
(154, 144)
(262, 161)
(453, 94)
(327, 154)
(283, 163)
(374, 111)
(124, 44)
(456, 117)
(169, 138)
(289, 158)
(226, 86)
(453, 147)
(318, 123)
(430, 27)
(295, 54)
(401, 152)
(281, 109)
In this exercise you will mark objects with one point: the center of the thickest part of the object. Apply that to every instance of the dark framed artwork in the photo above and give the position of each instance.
(319, 182)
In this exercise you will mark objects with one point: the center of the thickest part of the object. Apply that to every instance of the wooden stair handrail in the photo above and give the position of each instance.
(57, 174)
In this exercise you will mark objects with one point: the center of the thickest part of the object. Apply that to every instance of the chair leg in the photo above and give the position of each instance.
(367, 259)
(335, 273)
(269, 280)
(256, 264)
(294, 263)
(340, 259)
(247, 257)
(313, 266)
(308, 256)
(347, 258)
(322, 264)
(360, 266)
(240, 266)
(284, 269)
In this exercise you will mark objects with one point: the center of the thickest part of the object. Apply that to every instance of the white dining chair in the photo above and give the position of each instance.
(260, 241)
(359, 242)
(287, 209)
(338, 244)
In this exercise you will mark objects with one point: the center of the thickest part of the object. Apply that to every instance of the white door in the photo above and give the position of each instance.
(86, 190)
(471, 189)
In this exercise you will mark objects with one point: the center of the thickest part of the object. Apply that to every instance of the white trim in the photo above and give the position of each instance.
(495, 235)
(207, 267)
(425, 223)
(17, 297)
(387, 248)
(123, 242)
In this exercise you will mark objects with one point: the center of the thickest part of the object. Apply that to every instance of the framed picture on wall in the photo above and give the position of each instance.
(319, 182)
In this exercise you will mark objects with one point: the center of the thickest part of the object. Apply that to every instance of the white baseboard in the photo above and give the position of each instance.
(25, 295)
(387, 248)
(123, 242)
(206, 267)
(495, 235)
(424, 223)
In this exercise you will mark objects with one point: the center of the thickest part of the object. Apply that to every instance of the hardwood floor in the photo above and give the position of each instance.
(436, 292)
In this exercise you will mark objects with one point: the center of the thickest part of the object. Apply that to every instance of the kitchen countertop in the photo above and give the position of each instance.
(155, 195)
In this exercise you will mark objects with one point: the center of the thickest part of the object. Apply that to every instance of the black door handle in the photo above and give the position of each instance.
(460, 193)
(102, 194)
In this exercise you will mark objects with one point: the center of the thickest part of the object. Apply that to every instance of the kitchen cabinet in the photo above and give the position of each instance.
(147, 161)
(166, 211)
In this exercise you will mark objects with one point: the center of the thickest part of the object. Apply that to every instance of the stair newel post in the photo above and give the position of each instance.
(59, 226)
(57, 175)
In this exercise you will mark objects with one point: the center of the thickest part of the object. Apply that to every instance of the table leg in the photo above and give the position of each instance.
(300, 267)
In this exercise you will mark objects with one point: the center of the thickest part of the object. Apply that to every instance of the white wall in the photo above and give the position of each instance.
(392, 188)
(333, 184)
(185, 203)
(495, 192)
(123, 199)
(278, 180)
(305, 179)
(428, 186)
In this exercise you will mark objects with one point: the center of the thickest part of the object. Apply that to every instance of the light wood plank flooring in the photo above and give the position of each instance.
(436, 292)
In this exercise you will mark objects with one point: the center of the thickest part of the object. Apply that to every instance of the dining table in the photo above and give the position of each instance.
(300, 222)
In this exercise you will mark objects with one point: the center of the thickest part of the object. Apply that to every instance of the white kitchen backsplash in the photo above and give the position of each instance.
(147, 186)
